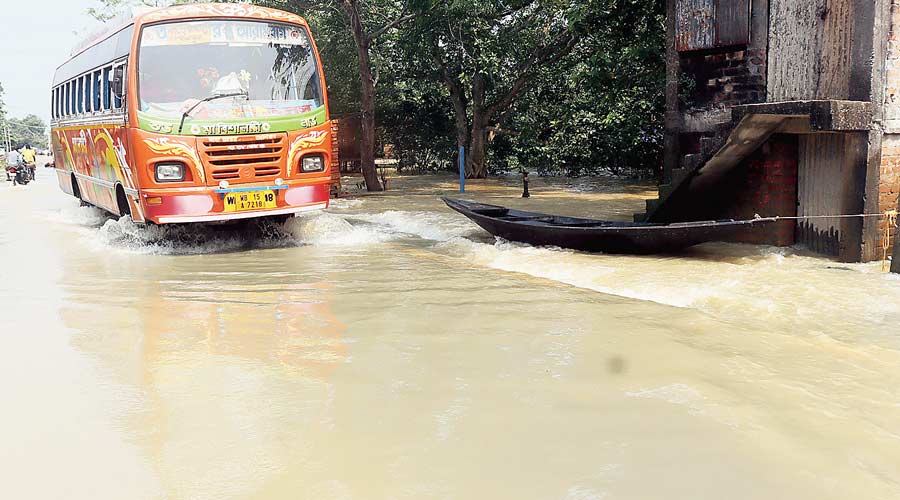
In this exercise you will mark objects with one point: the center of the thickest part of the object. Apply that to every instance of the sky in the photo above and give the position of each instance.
(37, 36)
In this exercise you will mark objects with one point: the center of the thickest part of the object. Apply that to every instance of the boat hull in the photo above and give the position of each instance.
(592, 235)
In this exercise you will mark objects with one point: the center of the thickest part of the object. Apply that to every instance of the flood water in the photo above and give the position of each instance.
(390, 349)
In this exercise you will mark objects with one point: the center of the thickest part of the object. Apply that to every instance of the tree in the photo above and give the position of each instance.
(365, 37)
(2, 118)
(487, 53)
(605, 111)
(28, 131)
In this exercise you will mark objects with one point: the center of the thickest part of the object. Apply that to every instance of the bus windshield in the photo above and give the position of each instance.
(270, 69)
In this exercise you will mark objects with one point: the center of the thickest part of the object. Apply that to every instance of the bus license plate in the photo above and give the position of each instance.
(251, 200)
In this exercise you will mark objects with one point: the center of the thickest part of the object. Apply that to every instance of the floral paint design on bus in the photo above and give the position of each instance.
(98, 157)
(170, 147)
(303, 141)
(61, 150)
(111, 159)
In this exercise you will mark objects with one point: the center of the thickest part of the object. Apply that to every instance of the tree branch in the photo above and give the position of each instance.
(559, 46)
(457, 96)
(391, 25)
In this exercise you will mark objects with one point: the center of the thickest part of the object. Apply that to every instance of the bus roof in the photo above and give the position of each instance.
(138, 16)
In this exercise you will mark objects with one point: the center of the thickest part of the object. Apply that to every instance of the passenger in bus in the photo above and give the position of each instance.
(156, 90)
(208, 76)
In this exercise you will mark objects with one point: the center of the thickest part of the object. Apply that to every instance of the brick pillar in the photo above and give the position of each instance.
(766, 184)
(889, 178)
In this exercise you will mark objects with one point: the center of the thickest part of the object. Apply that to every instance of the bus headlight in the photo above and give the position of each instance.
(169, 172)
(312, 163)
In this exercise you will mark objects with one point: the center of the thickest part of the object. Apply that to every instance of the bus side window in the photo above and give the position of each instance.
(83, 88)
(68, 98)
(117, 84)
(105, 83)
(95, 90)
(79, 95)
(88, 102)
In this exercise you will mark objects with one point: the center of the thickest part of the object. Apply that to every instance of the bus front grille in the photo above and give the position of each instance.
(244, 158)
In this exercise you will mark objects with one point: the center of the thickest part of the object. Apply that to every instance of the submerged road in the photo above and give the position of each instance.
(389, 349)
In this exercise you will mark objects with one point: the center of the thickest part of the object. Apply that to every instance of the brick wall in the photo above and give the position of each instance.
(892, 71)
(889, 180)
(766, 184)
(726, 78)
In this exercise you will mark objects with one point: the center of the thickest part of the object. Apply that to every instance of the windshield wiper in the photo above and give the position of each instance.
(188, 112)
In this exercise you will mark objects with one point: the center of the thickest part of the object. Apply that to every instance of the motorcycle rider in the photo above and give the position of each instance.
(13, 158)
(28, 155)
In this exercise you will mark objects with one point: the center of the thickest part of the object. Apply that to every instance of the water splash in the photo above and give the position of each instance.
(426, 225)
(332, 229)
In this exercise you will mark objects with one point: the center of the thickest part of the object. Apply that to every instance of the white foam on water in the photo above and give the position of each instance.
(584, 493)
(741, 283)
(571, 268)
(79, 216)
(124, 234)
(344, 203)
(426, 225)
(331, 229)
(680, 394)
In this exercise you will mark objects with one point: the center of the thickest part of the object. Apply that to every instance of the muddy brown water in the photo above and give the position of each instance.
(390, 349)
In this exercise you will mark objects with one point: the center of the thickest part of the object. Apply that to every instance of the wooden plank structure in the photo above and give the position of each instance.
(795, 109)
(710, 24)
(349, 139)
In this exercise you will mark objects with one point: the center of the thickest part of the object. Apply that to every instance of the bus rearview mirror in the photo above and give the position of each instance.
(117, 82)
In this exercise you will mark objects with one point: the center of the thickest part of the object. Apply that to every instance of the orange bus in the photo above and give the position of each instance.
(195, 113)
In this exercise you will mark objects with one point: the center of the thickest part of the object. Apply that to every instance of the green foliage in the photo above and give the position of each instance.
(596, 108)
(414, 120)
(2, 109)
(30, 130)
(603, 109)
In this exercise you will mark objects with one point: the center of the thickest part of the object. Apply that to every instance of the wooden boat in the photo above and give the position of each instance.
(592, 235)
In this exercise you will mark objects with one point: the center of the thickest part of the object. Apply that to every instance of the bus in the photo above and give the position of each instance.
(195, 113)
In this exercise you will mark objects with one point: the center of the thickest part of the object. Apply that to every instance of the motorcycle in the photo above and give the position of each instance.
(19, 173)
(30, 167)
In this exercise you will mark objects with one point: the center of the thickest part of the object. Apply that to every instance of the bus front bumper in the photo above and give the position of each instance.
(206, 204)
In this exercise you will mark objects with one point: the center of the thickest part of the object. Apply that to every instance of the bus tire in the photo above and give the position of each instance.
(75, 191)
(122, 201)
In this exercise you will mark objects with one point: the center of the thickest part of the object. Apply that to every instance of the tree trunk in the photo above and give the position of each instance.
(475, 160)
(367, 82)
(367, 121)
(458, 99)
